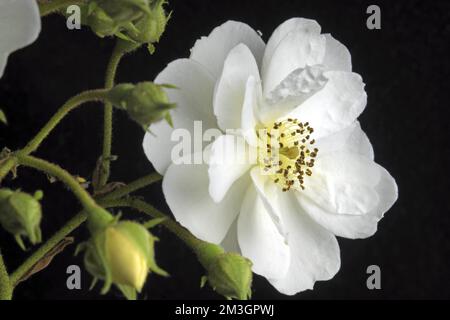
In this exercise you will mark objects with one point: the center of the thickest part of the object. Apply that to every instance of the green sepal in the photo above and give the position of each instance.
(127, 291)
(168, 119)
(150, 47)
(154, 222)
(3, 118)
(203, 281)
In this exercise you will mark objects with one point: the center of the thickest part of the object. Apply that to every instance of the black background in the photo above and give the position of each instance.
(404, 65)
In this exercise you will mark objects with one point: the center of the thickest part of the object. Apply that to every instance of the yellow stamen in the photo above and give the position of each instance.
(287, 154)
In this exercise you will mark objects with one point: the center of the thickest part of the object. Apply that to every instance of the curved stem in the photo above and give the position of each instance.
(6, 167)
(47, 8)
(6, 288)
(111, 71)
(72, 103)
(53, 170)
(70, 226)
(133, 186)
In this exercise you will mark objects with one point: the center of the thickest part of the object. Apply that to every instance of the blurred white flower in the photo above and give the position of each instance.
(20, 24)
(284, 215)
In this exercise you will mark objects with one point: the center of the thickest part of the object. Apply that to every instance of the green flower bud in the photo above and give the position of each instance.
(151, 26)
(228, 273)
(145, 103)
(122, 254)
(101, 23)
(136, 21)
(21, 214)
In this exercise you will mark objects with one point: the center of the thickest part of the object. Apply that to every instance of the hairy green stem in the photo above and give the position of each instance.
(72, 103)
(6, 167)
(46, 8)
(111, 71)
(133, 186)
(70, 226)
(6, 288)
(56, 171)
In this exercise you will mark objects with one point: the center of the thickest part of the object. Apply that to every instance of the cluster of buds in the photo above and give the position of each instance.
(21, 214)
(145, 102)
(228, 273)
(120, 253)
(135, 21)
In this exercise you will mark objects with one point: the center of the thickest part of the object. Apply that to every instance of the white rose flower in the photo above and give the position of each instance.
(20, 24)
(301, 90)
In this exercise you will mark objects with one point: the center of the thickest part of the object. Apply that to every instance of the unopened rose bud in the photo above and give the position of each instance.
(101, 23)
(145, 102)
(21, 214)
(136, 21)
(122, 254)
(150, 27)
(228, 273)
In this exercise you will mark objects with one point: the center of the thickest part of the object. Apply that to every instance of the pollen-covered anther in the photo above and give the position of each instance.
(288, 155)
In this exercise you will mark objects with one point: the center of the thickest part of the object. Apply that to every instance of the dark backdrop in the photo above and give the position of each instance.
(403, 65)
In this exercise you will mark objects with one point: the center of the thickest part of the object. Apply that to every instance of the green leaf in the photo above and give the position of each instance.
(3, 117)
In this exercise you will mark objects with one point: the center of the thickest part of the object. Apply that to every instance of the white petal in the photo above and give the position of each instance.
(300, 83)
(193, 97)
(336, 106)
(260, 240)
(250, 110)
(269, 193)
(299, 24)
(337, 56)
(20, 24)
(157, 146)
(186, 190)
(344, 183)
(297, 50)
(362, 175)
(314, 250)
(229, 93)
(351, 140)
(296, 88)
(229, 160)
(211, 51)
(230, 242)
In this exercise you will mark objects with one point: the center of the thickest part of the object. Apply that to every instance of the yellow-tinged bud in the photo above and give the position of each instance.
(21, 215)
(122, 253)
(128, 263)
(145, 102)
(228, 273)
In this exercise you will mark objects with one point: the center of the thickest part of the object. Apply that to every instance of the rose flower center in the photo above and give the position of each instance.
(286, 153)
